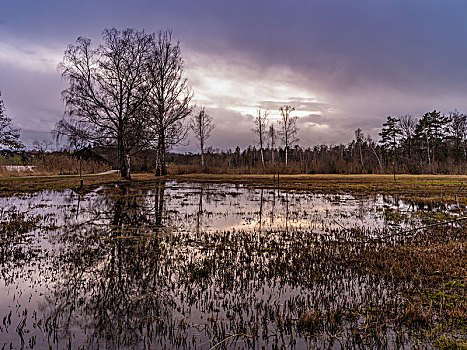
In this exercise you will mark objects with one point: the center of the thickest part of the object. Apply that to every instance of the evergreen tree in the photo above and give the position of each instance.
(431, 133)
(390, 137)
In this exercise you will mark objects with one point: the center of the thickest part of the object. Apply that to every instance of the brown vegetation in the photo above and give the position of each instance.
(441, 188)
(56, 163)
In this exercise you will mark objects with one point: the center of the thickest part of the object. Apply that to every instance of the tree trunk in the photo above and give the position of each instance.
(428, 152)
(128, 166)
(377, 158)
(158, 164)
(361, 157)
(202, 155)
(262, 157)
(124, 169)
(159, 202)
(161, 167)
(124, 164)
(163, 160)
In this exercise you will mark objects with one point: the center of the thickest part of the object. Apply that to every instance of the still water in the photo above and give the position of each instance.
(188, 265)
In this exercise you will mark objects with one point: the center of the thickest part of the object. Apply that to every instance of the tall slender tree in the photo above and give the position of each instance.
(458, 131)
(260, 129)
(289, 128)
(431, 132)
(359, 138)
(372, 146)
(272, 138)
(390, 135)
(406, 125)
(170, 97)
(202, 126)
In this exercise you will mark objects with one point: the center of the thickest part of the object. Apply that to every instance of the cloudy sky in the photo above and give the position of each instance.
(341, 64)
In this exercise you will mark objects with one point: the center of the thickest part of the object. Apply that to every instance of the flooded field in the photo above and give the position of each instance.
(188, 265)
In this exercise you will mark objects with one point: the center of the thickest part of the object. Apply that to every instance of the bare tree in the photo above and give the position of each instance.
(170, 97)
(42, 145)
(261, 124)
(359, 137)
(372, 145)
(76, 136)
(289, 128)
(272, 138)
(407, 124)
(9, 137)
(202, 126)
(458, 130)
(108, 87)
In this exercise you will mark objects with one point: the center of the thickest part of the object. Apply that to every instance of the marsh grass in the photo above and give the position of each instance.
(418, 188)
(51, 164)
(133, 268)
(13, 185)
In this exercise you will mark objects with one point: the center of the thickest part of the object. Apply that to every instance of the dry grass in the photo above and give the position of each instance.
(65, 164)
(423, 188)
(53, 164)
(11, 185)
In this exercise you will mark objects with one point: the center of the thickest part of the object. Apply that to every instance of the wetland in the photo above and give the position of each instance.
(183, 264)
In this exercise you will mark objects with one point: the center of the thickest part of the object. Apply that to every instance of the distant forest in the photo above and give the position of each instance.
(432, 143)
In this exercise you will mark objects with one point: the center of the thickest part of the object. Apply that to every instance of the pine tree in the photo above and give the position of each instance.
(431, 132)
(390, 136)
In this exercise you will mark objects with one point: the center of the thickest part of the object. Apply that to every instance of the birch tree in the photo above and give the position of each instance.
(407, 124)
(359, 136)
(272, 139)
(108, 88)
(260, 129)
(202, 126)
(289, 128)
(170, 97)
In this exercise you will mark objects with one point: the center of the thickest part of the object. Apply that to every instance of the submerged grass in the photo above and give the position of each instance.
(135, 276)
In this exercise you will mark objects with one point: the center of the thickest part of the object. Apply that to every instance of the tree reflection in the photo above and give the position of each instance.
(128, 278)
(199, 214)
(111, 284)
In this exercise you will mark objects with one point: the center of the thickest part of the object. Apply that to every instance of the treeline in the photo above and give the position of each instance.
(432, 143)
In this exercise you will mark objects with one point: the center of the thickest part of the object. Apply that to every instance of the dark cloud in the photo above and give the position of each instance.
(344, 64)
(32, 99)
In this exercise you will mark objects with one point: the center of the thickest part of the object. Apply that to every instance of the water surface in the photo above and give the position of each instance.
(187, 265)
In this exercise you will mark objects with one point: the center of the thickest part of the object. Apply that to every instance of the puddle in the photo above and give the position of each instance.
(188, 265)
